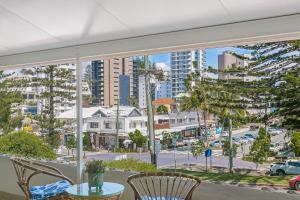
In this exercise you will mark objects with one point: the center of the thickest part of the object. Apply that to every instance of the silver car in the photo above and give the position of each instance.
(288, 167)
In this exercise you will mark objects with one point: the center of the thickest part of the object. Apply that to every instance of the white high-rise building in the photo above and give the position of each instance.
(142, 92)
(182, 64)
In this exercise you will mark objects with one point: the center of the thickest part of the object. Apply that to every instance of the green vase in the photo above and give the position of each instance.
(95, 180)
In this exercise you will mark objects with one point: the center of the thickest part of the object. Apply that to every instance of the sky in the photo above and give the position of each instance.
(211, 56)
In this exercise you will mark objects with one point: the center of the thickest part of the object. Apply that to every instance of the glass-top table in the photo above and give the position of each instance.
(109, 191)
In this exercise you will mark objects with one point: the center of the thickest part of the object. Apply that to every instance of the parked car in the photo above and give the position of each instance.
(225, 133)
(274, 132)
(244, 140)
(295, 183)
(274, 147)
(250, 135)
(236, 141)
(282, 146)
(216, 143)
(253, 127)
(251, 139)
(288, 167)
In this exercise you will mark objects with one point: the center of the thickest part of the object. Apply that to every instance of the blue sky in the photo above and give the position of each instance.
(211, 55)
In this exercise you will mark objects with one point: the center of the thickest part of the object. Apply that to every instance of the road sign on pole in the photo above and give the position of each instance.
(208, 153)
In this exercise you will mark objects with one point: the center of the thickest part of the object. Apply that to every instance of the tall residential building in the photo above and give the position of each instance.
(182, 64)
(163, 89)
(135, 75)
(124, 81)
(227, 59)
(106, 80)
(97, 86)
(142, 91)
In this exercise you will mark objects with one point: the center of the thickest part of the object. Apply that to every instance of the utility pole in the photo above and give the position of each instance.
(150, 112)
(230, 147)
(117, 124)
(266, 112)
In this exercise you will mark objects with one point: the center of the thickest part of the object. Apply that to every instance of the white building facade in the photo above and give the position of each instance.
(182, 64)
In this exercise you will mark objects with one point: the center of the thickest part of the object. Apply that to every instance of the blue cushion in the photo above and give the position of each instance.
(49, 190)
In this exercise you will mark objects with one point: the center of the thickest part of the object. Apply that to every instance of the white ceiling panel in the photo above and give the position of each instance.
(17, 33)
(67, 20)
(255, 9)
(168, 15)
(31, 25)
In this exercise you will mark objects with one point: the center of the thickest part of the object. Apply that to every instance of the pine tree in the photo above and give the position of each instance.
(287, 99)
(260, 149)
(10, 99)
(57, 87)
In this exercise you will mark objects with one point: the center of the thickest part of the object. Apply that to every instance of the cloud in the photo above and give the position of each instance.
(162, 66)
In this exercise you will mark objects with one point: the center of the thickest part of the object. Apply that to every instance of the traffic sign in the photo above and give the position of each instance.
(208, 152)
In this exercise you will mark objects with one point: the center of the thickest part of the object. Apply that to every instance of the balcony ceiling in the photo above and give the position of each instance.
(33, 25)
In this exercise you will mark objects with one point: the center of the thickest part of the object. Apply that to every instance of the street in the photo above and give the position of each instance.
(168, 159)
(180, 157)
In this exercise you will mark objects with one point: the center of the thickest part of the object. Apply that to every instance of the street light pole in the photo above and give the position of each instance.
(150, 112)
(117, 124)
(79, 122)
(230, 147)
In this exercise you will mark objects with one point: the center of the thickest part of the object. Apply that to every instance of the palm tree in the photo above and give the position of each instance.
(225, 105)
(196, 99)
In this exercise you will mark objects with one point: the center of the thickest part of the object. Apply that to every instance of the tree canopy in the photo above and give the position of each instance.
(287, 99)
(10, 98)
(260, 148)
(25, 144)
(138, 138)
(295, 143)
(162, 109)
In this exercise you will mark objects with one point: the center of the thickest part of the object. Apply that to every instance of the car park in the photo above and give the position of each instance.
(284, 168)
(274, 147)
(250, 139)
(244, 140)
(251, 135)
(216, 143)
(236, 141)
(274, 132)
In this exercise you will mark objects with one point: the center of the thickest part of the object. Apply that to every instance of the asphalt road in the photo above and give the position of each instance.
(168, 158)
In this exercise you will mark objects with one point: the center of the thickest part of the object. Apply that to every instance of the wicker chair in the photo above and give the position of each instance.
(163, 186)
(26, 170)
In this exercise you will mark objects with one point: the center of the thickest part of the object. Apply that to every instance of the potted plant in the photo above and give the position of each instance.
(95, 170)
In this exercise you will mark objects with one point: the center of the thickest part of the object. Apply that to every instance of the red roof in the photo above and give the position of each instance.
(163, 101)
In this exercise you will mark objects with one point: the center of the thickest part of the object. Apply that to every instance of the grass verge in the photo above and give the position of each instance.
(237, 178)
(131, 165)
